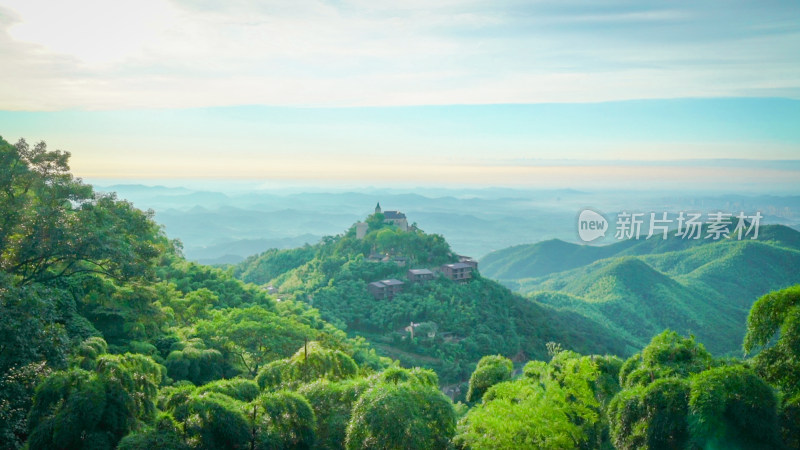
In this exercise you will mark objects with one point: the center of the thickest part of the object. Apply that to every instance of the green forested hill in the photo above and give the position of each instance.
(638, 288)
(467, 320)
(110, 339)
(95, 301)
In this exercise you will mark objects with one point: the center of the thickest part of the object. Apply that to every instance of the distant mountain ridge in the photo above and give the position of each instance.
(638, 288)
(555, 255)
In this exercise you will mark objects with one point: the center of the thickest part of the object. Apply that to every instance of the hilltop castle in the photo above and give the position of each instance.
(395, 218)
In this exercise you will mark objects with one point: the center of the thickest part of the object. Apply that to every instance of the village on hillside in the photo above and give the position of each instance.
(460, 271)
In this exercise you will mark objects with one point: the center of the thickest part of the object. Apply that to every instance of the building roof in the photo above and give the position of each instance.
(458, 266)
(393, 215)
(391, 282)
(377, 284)
(421, 272)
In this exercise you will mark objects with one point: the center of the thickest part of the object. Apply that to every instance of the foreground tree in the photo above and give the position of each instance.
(54, 226)
(553, 406)
(94, 409)
(773, 326)
(490, 371)
(399, 416)
(282, 420)
(729, 407)
(676, 396)
(333, 403)
(776, 314)
(652, 416)
(667, 355)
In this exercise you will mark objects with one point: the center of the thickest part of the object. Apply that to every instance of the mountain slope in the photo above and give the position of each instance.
(705, 289)
(463, 321)
(543, 258)
(638, 301)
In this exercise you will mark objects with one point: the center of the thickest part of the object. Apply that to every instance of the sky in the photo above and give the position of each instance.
(495, 92)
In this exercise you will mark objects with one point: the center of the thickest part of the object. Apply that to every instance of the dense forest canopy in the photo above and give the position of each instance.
(109, 338)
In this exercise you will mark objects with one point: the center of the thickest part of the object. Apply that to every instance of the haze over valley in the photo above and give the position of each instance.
(243, 219)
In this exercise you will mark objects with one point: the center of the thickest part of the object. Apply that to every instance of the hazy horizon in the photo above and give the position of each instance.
(462, 93)
(678, 143)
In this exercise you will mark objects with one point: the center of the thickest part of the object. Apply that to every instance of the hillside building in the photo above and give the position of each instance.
(460, 272)
(419, 275)
(469, 260)
(385, 289)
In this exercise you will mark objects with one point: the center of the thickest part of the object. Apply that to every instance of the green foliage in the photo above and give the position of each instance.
(196, 305)
(83, 274)
(667, 355)
(237, 388)
(731, 407)
(194, 362)
(790, 422)
(55, 226)
(458, 323)
(677, 396)
(31, 329)
(16, 393)
(607, 383)
(88, 351)
(651, 416)
(164, 434)
(777, 313)
(188, 277)
(333, 402)
(490, 371)
(94, 409)
(212, 420)
(541, 258)
(553, 406)
(310, 362)
(282, 420)
(472, 319)
(399, 416)
(416, 375)
(251, 337)
(261, 269)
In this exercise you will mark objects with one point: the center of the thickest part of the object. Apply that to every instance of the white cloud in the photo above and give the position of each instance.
(154, 53)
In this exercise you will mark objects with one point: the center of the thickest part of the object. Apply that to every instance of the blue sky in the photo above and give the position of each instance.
(495, 91)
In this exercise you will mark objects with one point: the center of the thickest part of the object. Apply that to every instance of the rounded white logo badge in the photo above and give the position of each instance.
(591, 225)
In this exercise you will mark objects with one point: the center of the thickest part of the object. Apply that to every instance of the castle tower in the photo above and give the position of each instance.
(378, 208)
